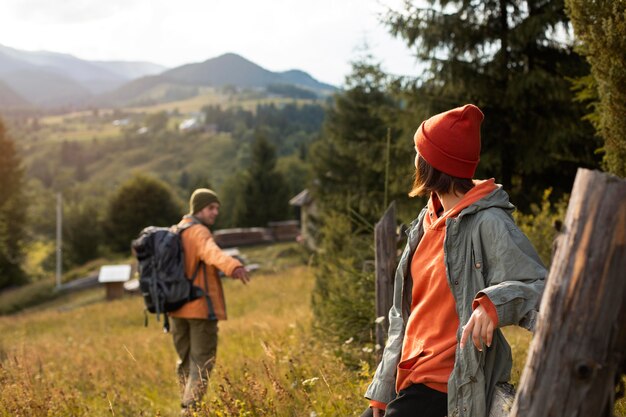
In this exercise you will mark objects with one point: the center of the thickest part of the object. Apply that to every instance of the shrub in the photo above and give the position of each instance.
(343, 298)
(540, 225)
(140, 202)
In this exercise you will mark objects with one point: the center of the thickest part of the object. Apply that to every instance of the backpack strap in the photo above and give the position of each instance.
(212, 315)
(195, 273)
(179, 228)
(166, 317)
(158, 302)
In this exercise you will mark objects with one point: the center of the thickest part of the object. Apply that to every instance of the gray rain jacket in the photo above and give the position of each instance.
(484, 253)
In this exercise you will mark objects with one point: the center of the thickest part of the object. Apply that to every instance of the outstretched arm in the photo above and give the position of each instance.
(241, 274)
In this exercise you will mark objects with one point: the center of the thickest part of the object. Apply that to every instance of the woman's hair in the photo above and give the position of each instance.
(429, 180)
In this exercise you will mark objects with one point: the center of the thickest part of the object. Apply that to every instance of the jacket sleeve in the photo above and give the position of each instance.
(514, 273)
(211, 254)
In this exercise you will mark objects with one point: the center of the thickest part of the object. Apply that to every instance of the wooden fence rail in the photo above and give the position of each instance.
(386, 259)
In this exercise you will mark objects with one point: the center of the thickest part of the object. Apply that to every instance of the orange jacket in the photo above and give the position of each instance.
(199, 245)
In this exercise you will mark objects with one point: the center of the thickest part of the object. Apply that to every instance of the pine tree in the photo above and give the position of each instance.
(12, 212)
(82, 232)
(601, 28)
(349, 163)
(509, 58)
(349, 160)
(265, 193)
(233, 199)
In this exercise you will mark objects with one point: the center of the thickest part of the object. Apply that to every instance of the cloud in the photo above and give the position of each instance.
(321, 37)
(66, 11)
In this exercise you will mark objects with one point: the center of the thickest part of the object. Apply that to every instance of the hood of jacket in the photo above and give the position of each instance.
(498, 198)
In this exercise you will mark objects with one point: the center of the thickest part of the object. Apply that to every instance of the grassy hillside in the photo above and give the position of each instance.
(105, 163)
(83, 356)
(87, 155)
(80, 355)
(90, 153)
(206, 96)
(87, 125)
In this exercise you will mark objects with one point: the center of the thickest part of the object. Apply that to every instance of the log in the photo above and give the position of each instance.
(580, 342)
(385, 264)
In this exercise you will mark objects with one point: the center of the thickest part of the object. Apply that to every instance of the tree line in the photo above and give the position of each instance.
(552, 95)
(256, 163)
(523, 64)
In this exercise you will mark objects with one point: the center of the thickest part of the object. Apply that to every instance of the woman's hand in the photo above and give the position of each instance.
(377, 412)
(480, 326)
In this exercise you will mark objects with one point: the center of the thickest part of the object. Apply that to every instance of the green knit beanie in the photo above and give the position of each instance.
(201, 198)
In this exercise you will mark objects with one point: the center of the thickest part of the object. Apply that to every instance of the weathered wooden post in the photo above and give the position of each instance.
(386, 247)
(580, 344)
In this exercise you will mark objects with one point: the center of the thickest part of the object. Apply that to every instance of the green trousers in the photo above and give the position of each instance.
(195, 341)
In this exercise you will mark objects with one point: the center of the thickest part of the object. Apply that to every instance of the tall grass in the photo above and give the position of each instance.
(97, 359)
(82, 356)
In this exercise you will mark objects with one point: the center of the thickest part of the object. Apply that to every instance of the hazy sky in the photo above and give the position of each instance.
(317, 36)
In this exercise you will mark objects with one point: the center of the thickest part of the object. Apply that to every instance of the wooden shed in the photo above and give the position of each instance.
(113, 277)
(308, 215)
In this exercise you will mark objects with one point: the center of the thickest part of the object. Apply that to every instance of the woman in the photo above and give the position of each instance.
(466, 271)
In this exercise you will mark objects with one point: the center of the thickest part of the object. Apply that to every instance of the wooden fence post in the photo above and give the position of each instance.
(580, 344)
(386, 248)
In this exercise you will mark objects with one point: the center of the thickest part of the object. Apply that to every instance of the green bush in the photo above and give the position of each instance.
(540, 225)
(12, 215)
(344, 297)
(140, 202)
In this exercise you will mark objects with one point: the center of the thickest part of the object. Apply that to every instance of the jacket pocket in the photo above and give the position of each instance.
(472, 365)
(478, 265)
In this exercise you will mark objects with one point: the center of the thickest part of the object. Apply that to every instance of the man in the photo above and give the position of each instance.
(194, 325)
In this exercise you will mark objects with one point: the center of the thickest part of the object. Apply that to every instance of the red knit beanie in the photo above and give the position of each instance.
(450, 141)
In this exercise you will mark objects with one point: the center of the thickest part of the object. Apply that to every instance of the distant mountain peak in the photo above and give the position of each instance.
(59, 79)
(229, 58)
(229, 55)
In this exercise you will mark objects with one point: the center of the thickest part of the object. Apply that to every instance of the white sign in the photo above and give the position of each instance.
(114, 273)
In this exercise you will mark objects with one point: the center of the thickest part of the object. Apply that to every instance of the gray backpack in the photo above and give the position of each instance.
(162, 280)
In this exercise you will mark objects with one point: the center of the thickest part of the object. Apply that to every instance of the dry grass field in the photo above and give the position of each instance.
(82, 356)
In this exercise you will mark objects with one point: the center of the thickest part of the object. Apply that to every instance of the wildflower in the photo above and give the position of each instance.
(347, 342)
(310, 381)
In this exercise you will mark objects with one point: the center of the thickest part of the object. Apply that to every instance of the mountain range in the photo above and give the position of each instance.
(55, 80)
(51, 79)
